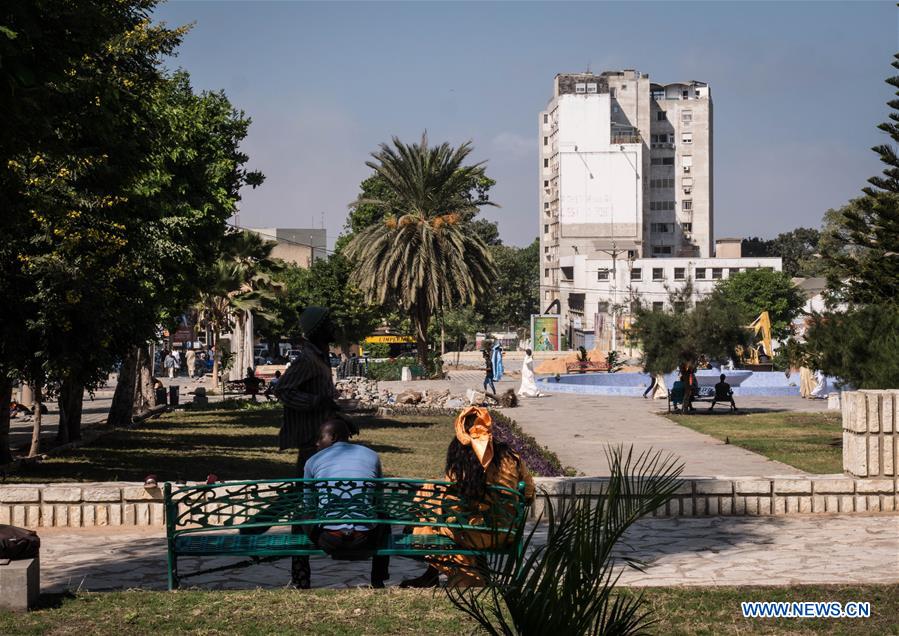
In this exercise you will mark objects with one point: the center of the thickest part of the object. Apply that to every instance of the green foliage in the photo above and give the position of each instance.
(614, 362)
(860, 347)
(419, 257)
(326, 284)
(758, 290)
(513, 294)
(867, 271)
(798, 249)
(392, 369)
(377, 349)
(567, 585)
(711, 330)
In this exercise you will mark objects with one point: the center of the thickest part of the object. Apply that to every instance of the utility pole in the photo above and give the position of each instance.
(614, 252)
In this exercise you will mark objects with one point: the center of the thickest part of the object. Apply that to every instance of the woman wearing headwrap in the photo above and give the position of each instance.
(474, 461)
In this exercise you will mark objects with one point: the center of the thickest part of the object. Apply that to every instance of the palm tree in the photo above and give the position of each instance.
(238, 282)
(421, 257)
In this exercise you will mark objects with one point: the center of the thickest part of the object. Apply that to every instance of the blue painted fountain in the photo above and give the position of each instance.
(768, 383)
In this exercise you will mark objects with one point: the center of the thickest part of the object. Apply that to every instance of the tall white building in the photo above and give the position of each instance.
(625, 180)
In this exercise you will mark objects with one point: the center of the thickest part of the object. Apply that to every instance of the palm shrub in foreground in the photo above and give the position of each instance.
(566, 586)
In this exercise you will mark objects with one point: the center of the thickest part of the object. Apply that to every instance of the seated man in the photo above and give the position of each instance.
(723, 393)
(273, 383)
(251, 383)
(337, 457)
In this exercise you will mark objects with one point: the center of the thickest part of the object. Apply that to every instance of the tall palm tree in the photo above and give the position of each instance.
(421, 257)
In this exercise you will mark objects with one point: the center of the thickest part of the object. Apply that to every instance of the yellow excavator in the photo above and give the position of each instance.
(761, 326)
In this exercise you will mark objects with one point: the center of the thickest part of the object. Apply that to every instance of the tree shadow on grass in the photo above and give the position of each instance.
(368, 423)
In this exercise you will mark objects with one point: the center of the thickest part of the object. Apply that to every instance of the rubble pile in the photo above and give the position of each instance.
(364, 393)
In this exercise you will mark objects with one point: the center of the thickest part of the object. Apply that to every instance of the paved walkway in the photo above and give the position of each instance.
(578, 428)
(686, 551)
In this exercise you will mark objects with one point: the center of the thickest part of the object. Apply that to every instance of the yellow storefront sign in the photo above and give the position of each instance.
(390, 340)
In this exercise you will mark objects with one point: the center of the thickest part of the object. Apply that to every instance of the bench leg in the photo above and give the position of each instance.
(173, 571)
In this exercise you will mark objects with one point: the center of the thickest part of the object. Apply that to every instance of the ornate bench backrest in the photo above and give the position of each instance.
(289, 502)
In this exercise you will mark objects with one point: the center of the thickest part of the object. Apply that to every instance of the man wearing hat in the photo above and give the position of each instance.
(307, 392)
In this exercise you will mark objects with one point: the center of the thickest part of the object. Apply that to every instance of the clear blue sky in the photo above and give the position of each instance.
(798, 90)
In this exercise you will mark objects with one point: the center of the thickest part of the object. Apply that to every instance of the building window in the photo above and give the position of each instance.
(687, 116)
(660, 228)
(546, 229)
(546, 250)
(661, 250)
(602, 274)
(611, 91)
(546, 163)
(660, 116)
(688, 204)
(546, 205)
(679, 273)
(716, 272)
(636, 274)
(545, 118)
(658, 273)
(658, 306)
(680, 306)
(688, 227)
(580, 88)
(602, 307)
(687, 163)
(700, 273)
(632, 253)
(635, 306)
(546, 273)
(624, 87)
(661, 205)
(663, 161)
(546, 295)
(687, 138)
(546, 141)
(661, 183)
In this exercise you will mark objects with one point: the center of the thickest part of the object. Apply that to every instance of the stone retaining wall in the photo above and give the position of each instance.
(871, 433)
(131, 504)
(751, 496)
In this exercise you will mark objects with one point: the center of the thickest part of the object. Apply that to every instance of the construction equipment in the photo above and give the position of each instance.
(761, 326)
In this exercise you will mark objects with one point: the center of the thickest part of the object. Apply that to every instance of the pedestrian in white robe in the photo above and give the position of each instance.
(528, 386)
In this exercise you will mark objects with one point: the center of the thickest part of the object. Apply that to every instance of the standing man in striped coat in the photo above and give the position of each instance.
(307, 392)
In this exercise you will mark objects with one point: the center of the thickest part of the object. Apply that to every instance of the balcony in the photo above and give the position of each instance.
(618, 138)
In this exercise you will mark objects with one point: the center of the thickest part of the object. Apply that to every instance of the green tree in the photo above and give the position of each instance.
(513, 295)
(459, 324)
(859, 346)
(797, 250)
(758, 290)
(327, 284)
(419, 257)
(867, 271)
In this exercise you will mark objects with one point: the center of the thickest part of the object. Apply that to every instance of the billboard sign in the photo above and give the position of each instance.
(546, 332)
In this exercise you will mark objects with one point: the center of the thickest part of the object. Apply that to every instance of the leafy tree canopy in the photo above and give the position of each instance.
(758, 290)
(513, 295)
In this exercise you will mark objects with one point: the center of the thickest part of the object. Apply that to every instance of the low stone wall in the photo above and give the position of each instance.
(81, 505)
(749, 496)
(871, 433)
(131, 504)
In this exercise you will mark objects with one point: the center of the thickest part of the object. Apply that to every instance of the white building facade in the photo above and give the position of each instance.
(626, 187)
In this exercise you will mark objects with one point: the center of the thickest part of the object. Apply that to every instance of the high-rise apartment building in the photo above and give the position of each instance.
(625, 176)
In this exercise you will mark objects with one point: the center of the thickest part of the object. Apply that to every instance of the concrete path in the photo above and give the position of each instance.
(579, 428)
(686, 551)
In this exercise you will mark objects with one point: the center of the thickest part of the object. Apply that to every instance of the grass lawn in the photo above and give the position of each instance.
(809, 441)
(236, 443)
(711, 611)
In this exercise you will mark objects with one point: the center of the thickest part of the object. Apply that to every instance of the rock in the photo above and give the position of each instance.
(454, 403)
(409, 397)
(475, 398)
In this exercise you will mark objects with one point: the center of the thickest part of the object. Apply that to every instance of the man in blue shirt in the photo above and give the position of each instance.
(338, 458)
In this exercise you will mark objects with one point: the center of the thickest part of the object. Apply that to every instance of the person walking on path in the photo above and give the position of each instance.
(497, 362)
(528, 386)
(169, 363)
(307, 392)
(488, 372)
(190, 358)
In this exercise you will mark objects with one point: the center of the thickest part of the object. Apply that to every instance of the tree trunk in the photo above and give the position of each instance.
(71, 402)
(420, 325)
(5, 399)
(121, 411)
(145, 396)
(216, 355)
(36, 431)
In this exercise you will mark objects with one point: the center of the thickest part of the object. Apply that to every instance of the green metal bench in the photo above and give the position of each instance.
(233, 518)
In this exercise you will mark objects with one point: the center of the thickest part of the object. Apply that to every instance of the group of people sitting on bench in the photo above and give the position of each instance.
(685, 391)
